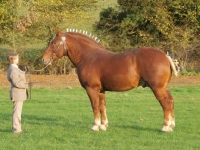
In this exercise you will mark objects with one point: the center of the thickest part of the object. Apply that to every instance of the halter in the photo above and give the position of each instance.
(62, 42)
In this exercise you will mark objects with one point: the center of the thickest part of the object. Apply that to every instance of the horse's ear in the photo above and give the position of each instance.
(58, 32)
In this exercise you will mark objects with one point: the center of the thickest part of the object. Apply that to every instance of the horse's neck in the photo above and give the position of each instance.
(82, 49)
(78, 52)
(73, 55)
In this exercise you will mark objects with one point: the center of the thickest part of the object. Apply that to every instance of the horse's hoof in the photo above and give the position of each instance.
(166, 129)
(103, 127)
(95, 128)
(172, 124)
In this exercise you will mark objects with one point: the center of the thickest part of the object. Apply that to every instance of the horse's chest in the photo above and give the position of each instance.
(88, 77)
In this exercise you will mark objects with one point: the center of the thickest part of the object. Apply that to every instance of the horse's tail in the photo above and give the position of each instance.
(173, 66)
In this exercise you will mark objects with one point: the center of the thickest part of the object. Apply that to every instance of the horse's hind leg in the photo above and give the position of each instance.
(94, 99)
(102, 104)
(167, 103)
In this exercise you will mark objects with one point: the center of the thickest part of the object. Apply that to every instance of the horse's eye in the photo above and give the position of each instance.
(54, 43)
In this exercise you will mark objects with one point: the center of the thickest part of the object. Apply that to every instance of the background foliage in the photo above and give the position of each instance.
(174, 26)
(28, 25)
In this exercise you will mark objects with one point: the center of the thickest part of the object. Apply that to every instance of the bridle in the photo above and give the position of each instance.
(62, 42)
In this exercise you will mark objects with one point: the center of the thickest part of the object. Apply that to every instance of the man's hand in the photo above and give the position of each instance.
(30, 84)
(26, 68)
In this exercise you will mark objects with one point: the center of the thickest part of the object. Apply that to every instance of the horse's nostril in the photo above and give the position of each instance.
(46, 61)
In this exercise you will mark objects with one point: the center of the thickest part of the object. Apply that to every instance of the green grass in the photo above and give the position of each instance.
(61, 119)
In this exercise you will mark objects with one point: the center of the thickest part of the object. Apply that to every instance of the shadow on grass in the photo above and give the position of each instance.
(48, 121)
(5, 130)
(140, 128)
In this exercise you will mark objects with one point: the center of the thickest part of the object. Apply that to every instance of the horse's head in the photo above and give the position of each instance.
(56, 49)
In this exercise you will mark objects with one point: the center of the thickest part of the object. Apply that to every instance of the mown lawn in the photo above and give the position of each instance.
(61, 119)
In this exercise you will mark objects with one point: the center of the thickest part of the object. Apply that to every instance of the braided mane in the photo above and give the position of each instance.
(84, 32)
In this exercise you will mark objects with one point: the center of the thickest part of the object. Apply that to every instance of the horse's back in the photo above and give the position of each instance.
(124, 71)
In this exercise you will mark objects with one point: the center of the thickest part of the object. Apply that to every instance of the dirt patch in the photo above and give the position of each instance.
(47, 81)
(69, 81)
(185, 81)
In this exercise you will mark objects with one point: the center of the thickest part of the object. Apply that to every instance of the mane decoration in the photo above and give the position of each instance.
(84, 32)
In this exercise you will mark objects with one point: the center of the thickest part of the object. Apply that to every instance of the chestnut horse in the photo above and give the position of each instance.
(101, 70)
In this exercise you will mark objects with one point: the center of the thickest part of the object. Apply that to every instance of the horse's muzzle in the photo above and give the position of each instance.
(46, 62)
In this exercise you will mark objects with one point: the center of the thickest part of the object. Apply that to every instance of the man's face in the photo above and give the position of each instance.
(16, 60)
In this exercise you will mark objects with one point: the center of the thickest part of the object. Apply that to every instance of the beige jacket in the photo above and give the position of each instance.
(18, 90)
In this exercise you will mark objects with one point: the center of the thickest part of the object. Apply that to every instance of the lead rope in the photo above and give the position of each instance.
(42, 68)
(30, 81)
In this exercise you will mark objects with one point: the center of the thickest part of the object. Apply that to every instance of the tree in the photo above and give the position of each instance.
(25, 22)
(169, 25)
(10, 16)
(39, 18)
(57, 14)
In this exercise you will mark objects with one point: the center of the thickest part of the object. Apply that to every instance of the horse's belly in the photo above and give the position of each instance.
(120, 84)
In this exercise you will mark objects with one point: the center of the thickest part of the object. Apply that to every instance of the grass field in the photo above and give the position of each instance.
(61, 119)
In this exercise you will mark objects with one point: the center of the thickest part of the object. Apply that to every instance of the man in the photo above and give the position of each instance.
(18, 91)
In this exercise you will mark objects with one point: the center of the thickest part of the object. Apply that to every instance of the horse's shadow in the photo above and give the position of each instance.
(36, 120)
(140, 128)
(5, 130)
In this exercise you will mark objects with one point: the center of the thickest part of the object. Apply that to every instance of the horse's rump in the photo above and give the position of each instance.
(153, 66)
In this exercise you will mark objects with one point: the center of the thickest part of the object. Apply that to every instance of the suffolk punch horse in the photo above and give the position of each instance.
(101, 70)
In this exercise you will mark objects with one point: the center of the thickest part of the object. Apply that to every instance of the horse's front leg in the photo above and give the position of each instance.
(94, 99)
(102, 104)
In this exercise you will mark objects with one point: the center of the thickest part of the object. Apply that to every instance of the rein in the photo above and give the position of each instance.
(29, 76)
